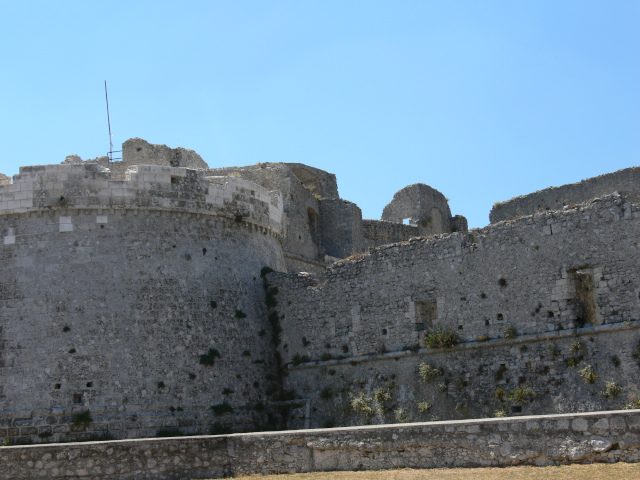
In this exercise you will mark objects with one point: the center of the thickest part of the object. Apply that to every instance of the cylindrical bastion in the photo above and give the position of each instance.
(139, 301)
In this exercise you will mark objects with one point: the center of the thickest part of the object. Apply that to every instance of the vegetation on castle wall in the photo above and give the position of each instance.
(428, 372)
(441, 337)
(510, 332)
(208, 358)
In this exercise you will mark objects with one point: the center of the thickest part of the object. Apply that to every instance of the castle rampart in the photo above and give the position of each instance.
(74, 187)
(554, 271)
(133, 299)
(380, 232)
(625, 181)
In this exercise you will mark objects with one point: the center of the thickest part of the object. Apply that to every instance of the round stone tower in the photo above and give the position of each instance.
(131, 307)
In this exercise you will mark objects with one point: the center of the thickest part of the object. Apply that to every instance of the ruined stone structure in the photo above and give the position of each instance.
(162, 297)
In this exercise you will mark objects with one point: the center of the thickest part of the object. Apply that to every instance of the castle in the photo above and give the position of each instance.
(158, 296)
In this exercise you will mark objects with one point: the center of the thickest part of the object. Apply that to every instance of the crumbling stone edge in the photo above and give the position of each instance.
(610, 436)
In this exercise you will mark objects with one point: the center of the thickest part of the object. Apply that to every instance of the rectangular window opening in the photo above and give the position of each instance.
(426, 313)
(583, 301)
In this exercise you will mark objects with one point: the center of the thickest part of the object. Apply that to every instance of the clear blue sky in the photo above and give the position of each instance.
(482, 100)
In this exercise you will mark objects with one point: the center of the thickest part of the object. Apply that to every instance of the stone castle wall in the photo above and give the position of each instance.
(137, 151)
(424, 206)
(380, 232)
(341, 229)
(318, 222)
(625, 181)
(301, 209)
(136, 294)
(544, 274)
(529, 375)
(113, 291)
(545, 440)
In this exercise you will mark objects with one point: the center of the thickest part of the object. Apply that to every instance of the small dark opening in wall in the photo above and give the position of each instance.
(502, 282)
(549, 314)
(384, 331)
(500, 317)
(299, 237)
(459, 327)
(138, 149)
(77, 398)
(253, 192)
(515, 409)
(486, 321)
(89, 384)
(101, 226)
(57, 386)
(213, 304)
(204, 251)
(174, 179)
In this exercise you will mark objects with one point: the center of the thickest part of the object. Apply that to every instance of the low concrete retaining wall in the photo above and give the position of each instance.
(536, 440)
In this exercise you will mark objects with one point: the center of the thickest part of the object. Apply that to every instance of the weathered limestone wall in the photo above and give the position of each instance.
(548, 273)
(529, 375)
(624, 181)
(425, 207)
(340, 228)
(530, 274)
(68, 187)
(137, 151)
(380, 232)
(4, 179)
(545, 440)
(317, 181)
(459, 224)
(113, 290)
(301, 211)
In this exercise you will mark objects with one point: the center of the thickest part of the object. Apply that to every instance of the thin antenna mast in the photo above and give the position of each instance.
(111, 152)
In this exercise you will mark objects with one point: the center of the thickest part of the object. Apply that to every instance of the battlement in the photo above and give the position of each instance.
(69, 187)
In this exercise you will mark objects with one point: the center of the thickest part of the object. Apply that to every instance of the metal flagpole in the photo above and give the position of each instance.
(109, 122)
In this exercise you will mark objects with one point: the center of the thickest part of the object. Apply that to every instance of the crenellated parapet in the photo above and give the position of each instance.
(69, 188)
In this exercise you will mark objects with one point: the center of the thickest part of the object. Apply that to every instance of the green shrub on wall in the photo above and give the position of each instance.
(427, 372)
(441, 337)
(588, 374)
